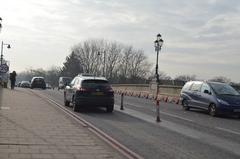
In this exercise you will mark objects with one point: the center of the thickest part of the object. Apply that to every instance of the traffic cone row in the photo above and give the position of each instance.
(146, 95)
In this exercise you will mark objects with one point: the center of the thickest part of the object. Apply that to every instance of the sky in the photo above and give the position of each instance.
(201, 38)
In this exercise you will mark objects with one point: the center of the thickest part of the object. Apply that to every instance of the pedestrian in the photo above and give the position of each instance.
(13, 79)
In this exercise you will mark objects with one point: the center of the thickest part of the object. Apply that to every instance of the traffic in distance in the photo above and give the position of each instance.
(86, 90)
(83, 91)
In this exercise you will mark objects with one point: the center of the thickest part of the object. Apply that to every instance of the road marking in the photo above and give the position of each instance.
(176, 116)
(228, 130)
(134, 105)
(186, 131)
(203, 137)
(151, 119)
(5, 108)
(162, 112)
(130, 104)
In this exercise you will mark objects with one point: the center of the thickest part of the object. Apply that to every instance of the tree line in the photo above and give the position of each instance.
(117, 62)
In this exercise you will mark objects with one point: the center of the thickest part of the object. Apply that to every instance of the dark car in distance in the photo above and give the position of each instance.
(25, 84)
(215, 97)
(89, 91)
(38, 82)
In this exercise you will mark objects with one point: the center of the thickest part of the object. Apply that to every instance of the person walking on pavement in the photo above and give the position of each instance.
(13, 79)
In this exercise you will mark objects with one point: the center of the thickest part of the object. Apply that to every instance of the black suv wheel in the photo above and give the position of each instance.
(110, 108)
(76, 106)
(185, 105)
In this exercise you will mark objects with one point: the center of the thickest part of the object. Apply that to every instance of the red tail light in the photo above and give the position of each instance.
(80, 89)
(109, 89)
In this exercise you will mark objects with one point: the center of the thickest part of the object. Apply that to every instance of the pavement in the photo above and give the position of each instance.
(32, 128)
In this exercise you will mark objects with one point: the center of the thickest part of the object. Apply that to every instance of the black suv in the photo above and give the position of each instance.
(89, 91)
(38, 82)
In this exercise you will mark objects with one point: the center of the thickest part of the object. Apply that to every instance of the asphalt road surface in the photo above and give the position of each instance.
(180, 134)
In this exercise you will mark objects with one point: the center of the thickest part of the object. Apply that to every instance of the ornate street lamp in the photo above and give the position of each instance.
(158, 45)
(8, 46)
(0, 23)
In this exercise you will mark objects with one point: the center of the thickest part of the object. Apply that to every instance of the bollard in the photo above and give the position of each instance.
(121, 108)
(158, 111)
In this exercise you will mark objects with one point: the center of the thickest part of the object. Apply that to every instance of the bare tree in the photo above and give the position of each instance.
(221, 79)
(113, 54)
(111, 59)
(125, 62)
(162, 75)
(186, 77)
(138, 65)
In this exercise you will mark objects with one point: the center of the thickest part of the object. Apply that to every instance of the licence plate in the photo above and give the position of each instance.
(236, 110)
(98, 93)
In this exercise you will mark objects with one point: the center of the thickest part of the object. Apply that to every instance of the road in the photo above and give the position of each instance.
(180, 134)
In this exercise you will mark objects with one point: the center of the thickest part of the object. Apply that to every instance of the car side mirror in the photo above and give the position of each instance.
(207, 92)
(67, 87)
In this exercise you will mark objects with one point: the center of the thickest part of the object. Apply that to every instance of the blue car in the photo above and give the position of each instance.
(215, 97)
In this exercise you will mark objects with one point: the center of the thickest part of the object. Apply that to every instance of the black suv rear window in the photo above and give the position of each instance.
(95, 84)
(39, 79)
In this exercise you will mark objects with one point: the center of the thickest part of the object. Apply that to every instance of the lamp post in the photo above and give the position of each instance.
(98, 54)
(8, 46)
(104, 61)
(0, 24)
(158, 45)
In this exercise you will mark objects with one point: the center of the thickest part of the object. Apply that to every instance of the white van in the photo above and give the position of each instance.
(63, 81)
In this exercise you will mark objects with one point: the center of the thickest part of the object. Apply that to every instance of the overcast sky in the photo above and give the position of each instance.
(201, 37)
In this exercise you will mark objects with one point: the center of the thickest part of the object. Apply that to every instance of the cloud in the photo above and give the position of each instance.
(196, 33)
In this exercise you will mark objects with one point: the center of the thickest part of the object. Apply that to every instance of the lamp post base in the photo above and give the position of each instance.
(158, 119)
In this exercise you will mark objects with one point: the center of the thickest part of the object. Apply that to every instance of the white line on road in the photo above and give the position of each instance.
(176, 116)
(192, 133)
(134, 105)
(228, 130)
(165, 113)
(4, 108)
(130, 104)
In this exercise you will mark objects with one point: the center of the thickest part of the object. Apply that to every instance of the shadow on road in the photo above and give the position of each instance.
(225, 116)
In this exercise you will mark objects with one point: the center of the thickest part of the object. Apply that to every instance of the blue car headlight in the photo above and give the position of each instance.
(222, 102)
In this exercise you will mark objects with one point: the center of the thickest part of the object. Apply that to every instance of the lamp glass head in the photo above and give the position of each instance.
(156, 43)
(160, 42)
(159, 36)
